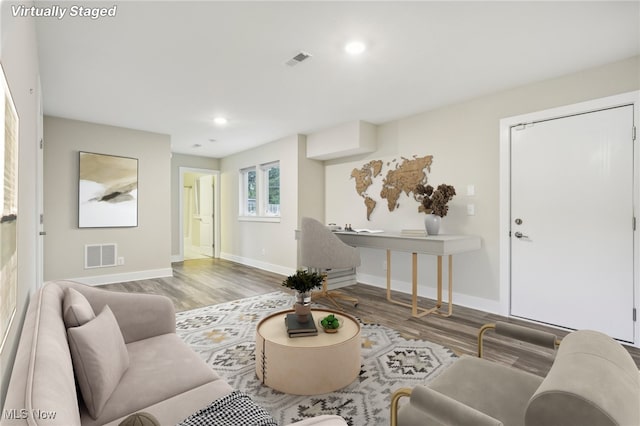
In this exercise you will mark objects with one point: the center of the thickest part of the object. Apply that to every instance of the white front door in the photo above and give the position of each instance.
(572, 222)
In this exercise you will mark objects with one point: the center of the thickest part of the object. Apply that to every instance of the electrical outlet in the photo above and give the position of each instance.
(471, 190)
(471, 209)
(121, 261)
(384, 265)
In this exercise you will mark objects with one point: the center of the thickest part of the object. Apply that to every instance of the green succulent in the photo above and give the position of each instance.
(330, 321)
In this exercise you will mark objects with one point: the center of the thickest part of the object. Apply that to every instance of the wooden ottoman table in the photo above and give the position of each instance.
(309, 365)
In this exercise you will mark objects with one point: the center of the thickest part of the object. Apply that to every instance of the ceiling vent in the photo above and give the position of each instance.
(301, 56)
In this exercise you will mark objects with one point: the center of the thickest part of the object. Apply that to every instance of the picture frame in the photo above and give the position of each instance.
(107, 191)
(9, 217)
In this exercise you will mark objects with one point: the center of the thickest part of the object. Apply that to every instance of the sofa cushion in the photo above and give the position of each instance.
(175, 409)
(482, 385)
(99, 358)
(76, 309)
(160, 368)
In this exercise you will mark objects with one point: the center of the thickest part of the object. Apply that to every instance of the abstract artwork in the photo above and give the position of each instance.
(9, 219)
(108, 191)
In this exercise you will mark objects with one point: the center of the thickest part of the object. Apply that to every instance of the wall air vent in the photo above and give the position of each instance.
(301, 56)
(99, 255)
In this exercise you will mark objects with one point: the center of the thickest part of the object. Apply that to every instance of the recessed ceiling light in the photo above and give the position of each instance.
(212, 140)
(355, 47)
(221, 121)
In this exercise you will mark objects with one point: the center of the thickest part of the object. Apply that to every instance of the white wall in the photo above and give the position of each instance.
(146, 249)
(464, 140)
(267, 245)
(18, 54)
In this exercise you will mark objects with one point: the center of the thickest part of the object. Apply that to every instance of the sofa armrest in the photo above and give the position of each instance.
(139, 316)
(519, 332)
(442, 409)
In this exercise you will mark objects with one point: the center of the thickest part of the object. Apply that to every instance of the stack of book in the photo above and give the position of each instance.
(296, 328)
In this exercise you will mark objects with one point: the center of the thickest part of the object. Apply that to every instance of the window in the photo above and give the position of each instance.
(271, 181)
(260, 192)
(248, 193)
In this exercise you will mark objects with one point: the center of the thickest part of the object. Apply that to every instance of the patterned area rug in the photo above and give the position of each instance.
(224, 335)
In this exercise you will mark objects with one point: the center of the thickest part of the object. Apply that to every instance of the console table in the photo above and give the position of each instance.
(436, 245)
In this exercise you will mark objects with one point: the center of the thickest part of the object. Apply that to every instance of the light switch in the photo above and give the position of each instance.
(471, 209)
(471, 190)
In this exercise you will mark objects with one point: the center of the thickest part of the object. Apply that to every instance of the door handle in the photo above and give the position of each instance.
(520, 235)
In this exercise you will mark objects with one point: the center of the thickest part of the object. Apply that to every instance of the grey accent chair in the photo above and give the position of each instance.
(593, 382)
(321, 250)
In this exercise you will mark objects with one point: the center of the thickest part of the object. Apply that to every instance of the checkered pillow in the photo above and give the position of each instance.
(234, 409)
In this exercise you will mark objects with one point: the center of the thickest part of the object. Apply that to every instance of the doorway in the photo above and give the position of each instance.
(570, 223)
(199, 213)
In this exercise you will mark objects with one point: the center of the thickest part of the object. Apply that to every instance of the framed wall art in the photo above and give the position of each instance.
(9, 219)
(107, 191)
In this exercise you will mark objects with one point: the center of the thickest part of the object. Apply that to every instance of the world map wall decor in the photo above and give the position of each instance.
(401, 177)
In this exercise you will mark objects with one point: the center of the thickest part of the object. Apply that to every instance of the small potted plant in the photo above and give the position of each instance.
(303, 282)
(434, 204)
(330, 323)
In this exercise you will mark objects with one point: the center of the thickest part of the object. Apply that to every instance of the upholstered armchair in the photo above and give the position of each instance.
(322, 251)
(593, 381)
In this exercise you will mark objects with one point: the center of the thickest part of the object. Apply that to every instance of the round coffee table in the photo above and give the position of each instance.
(309, 365)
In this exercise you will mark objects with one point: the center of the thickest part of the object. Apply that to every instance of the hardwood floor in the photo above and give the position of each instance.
(203, 282)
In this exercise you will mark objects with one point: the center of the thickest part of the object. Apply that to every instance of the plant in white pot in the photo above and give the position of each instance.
(434, 204)
(303, 282)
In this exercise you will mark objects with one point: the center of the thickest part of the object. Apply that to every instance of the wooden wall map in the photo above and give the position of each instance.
(364, 178)
(402, 177)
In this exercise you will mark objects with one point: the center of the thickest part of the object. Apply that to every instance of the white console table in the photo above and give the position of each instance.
(436, 245)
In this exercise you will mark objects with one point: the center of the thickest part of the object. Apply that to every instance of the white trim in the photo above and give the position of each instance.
(460, 299)
(629, 98)
(278, 269)
(125, 276)
(216, 210)
(273, 219)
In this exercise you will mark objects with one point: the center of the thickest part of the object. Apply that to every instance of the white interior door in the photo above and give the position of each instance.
(572, 222)
(206, 214)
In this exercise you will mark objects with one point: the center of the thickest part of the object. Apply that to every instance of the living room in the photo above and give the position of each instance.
(462, 135)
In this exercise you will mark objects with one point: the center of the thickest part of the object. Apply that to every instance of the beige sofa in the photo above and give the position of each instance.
(156, 372)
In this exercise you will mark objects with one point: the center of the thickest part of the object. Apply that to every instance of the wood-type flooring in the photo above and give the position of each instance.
(203, 282)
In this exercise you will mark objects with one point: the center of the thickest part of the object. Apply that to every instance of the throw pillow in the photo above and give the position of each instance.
(99, 357)
(140, 419)
(76, 309)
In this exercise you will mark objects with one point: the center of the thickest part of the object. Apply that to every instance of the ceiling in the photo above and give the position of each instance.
(172, 66)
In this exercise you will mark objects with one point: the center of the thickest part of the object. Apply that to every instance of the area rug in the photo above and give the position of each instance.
(224, 335)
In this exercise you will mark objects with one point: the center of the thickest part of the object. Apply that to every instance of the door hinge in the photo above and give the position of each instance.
(634, 314)
(41, 219)
(633, 133)
(41, 143)
(634, 223)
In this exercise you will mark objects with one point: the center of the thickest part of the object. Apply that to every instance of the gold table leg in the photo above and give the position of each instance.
(417, 311)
